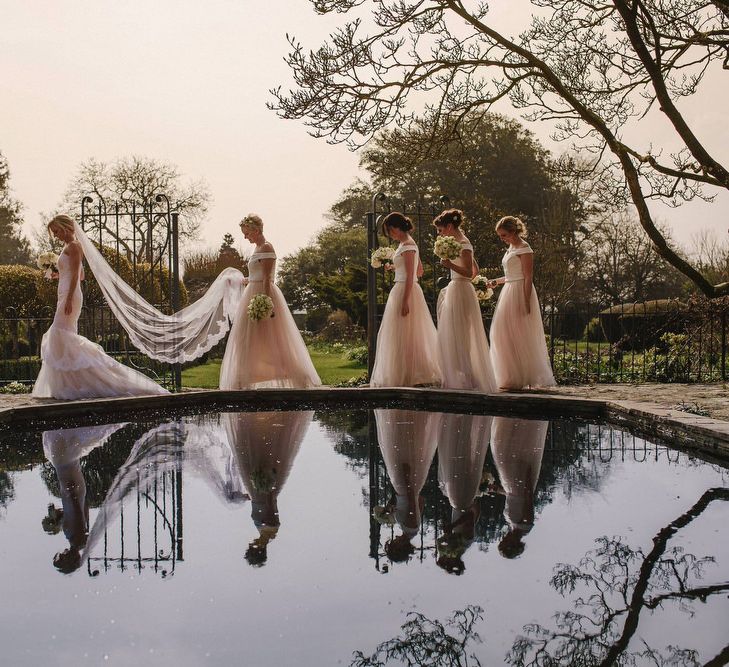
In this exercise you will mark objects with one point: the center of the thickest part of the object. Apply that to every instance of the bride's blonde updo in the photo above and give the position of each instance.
(252, 220)
(63, 221)
(513, 225)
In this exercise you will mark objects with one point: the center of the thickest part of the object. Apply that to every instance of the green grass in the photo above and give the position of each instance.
(331, 366)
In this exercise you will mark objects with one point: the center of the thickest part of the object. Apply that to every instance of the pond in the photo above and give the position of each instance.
(359, 537)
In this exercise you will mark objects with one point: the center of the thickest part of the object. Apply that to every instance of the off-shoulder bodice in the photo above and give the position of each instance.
(256, 272)
(512, 263)
(401, 273)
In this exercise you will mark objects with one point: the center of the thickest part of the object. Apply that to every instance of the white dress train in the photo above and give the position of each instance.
(464, 349)
(72, 366)
(518, 347)
(407, 347)
(268, 352)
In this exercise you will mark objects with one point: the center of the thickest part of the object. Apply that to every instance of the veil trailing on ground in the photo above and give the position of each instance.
(176, 338)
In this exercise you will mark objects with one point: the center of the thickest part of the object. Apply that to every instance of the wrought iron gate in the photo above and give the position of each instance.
(141, 243)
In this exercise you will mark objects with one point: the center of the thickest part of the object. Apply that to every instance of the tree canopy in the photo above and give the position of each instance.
(14, 247)
(603, 72)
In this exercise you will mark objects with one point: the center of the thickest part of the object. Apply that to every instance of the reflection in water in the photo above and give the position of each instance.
(429, 643)
(463, 441)
(518, 448)
(64, 449)
(615, 584)
(265, 445)
(407, 441)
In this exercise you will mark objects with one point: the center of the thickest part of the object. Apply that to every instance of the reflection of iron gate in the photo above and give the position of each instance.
(422, 217)
(143, 238)
(156, 517)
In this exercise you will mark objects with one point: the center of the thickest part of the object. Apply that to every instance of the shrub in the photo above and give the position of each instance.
(339, 327)
(15, 388)
(593, 331)
(640, 325)
(357, 354)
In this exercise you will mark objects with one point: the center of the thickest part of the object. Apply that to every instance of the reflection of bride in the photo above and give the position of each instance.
(518, 448)
(463, 441)
(408, 441)
(265, 446)
(65, 448)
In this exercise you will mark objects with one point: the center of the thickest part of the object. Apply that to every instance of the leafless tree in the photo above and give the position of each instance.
(600, 70)
(130, 182)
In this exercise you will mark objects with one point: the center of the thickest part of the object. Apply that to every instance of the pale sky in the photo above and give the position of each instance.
(186, 81)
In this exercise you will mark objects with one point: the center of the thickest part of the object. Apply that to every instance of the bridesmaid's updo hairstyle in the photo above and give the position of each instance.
(252, 220)
(397, 221)
(513, 225)
(62, 221)
(451, 216)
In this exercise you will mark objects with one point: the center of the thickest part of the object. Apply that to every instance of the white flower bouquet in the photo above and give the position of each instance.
(446, 247)
(483, 291)
(260, 307)
(382, 257)
(48, 263)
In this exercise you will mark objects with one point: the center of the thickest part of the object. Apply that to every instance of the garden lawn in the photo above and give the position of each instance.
(331, 366)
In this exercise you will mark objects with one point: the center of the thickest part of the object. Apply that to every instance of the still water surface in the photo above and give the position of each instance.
(359, 537)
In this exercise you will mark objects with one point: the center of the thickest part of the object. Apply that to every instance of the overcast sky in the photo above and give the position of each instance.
(187, 81)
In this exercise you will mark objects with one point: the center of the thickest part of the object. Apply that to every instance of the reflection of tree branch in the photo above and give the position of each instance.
(660, 542)
(429, 643)
(611, 568)
(721, 658)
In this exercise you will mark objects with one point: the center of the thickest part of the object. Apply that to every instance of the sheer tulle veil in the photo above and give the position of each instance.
(176, 338)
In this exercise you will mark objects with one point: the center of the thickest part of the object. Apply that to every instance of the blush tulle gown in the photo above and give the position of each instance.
(268, 352)
(518, 347)
(464, 349)
(73, 367)
(407, 347)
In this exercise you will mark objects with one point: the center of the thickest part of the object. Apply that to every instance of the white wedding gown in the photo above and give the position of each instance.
(73, 367)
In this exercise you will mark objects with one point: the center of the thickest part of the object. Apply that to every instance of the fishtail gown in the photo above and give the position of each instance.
(464, 349)
(73, 367)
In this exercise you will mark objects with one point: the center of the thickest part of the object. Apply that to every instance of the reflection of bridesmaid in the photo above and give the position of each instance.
(462, 445)
(265, 445)
(518, 447)
(407, 441)
(65, 448)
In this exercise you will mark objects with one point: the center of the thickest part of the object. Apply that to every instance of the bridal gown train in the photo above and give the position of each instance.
(72, 366)
(268, 352)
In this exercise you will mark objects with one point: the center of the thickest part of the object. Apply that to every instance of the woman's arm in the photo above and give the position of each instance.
(467, 257)
(73, 250)
(269, 266)
(421, 271)
(527, 267)
(409, 259)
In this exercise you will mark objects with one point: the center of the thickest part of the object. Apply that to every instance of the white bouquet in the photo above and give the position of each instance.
(260, 307)
(446, 247)
(382, 257)
(48, 263)
(483, 291)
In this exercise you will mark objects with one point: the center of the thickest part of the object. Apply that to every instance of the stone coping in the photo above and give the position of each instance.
(675, 428)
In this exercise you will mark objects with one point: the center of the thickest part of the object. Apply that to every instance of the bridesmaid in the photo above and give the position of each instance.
(462, 343)
(407, 342)
(518, 348)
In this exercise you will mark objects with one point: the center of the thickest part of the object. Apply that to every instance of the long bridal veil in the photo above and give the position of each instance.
(176, 338)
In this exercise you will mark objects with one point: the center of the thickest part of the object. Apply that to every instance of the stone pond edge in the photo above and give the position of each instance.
(676, 428)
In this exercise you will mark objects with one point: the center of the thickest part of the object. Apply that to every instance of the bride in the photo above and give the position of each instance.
(72, 366)
(269, 352)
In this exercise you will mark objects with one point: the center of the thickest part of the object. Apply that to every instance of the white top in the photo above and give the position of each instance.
(512, 263)
(465, 245)
(255, 266)
(401, 273)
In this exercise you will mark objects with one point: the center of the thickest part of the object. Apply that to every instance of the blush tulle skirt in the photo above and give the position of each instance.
(268, 352)
(407, 347)
(464, 349)
(518, 347)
